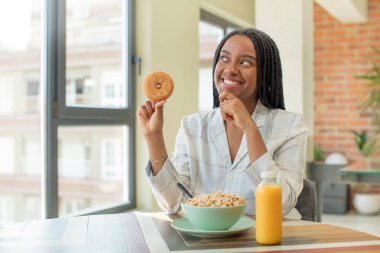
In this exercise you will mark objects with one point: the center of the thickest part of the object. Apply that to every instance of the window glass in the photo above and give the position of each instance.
(93, 164)
(94, 50)
(92, 167)
(209, 37)
(20, 130)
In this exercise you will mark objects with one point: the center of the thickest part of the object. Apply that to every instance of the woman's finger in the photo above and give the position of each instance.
(160, 104)
(159, 107)
(225, 109)
(142, 111)
(225, 96)
(149, 107)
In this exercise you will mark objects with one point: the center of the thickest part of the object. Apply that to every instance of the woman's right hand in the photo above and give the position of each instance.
(150, 118)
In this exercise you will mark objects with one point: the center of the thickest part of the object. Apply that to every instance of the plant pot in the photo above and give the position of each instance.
(366, 203)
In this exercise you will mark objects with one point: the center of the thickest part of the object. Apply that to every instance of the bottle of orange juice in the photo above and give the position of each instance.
(268, 209)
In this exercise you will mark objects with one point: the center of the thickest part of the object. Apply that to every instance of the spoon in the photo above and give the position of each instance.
(184, 190)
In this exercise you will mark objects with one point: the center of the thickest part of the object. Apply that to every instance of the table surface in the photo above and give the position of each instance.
(151, 232)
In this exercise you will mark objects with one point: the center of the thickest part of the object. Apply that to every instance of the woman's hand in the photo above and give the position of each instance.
(150, 118)
(233, 109)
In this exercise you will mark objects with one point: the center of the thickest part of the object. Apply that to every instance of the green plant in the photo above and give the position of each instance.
(318, 153)
(365, 146)
(373, 99)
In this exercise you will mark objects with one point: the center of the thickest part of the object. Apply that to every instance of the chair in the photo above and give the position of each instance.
(307, 201)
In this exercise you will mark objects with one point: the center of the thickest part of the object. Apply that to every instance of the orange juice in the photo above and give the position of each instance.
(268, 210)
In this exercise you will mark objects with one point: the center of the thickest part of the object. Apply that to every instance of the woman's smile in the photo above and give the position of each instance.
(229, 84)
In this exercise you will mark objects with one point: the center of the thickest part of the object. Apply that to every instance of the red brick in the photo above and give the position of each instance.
(341, 52)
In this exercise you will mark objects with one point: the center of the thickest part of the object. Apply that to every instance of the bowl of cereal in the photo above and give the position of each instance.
(214, 211)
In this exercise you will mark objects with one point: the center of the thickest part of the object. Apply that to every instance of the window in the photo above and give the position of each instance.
(7, 96)
(32, 89)
(112, 159)
(32, 156)
(7, 210)
(212, 29)
(56, 118)
(7, 155)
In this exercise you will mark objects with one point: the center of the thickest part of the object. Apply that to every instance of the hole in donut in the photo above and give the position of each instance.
(158, 86)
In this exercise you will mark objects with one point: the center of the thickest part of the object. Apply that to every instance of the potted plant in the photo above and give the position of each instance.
(372, 102)
(364, 145)
(318, 154)
(366, 198)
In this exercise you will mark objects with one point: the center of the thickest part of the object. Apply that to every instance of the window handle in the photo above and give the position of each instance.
(136, 60)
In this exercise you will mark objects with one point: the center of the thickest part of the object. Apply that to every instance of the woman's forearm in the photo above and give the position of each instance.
(157, 152)
(255, 143)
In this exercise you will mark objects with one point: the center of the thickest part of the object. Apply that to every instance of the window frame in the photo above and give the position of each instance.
(217, 21)
(55, 113)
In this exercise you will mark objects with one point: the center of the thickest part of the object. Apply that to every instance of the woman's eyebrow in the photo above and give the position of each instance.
(243, 56)
(225, 51)
(249, 56)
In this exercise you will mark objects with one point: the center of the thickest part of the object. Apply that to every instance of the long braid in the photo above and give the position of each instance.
(269, 73)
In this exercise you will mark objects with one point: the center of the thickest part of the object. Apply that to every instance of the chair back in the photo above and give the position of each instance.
(307, 201)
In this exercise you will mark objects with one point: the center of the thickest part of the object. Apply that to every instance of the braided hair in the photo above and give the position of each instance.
(269, 73)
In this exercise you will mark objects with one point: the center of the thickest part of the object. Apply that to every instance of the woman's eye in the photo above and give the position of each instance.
(245, 63)
(223, 58)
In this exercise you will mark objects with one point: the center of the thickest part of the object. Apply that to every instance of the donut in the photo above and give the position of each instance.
(158, 86)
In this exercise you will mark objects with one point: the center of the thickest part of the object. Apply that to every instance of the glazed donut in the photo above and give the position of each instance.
(158, 86)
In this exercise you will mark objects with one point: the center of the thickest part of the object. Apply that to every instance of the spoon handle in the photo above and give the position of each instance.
(184, 190)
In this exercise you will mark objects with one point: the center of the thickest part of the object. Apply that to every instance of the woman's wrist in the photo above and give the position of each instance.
(249, 126)
(154, 137)
(160, 160)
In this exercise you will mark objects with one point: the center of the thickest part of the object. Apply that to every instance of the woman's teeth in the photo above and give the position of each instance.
(229, 82)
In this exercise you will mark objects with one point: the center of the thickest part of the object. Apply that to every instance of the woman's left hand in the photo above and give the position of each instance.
(233, 109)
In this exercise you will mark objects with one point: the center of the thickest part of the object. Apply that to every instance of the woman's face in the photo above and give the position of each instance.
(236, 69)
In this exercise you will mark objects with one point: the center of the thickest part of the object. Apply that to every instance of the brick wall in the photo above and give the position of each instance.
(342, 51)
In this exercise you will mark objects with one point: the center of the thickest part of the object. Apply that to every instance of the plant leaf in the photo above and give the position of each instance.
(369, 148)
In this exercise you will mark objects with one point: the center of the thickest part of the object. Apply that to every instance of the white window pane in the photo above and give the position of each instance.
(94, 50)
(32, 159)
(209, 37)
(7, 210)
(20, 130)
(7, 155)
(92, 167)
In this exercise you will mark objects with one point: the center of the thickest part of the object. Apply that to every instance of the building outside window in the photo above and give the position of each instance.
(112, 159)
(58, 117)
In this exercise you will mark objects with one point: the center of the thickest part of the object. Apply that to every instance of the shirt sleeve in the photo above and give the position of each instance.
(164, 184)
(287, 159)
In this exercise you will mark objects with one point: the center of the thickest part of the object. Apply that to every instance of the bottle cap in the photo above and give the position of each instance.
(268, 174)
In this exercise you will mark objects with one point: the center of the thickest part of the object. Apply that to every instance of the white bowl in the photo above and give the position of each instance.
(336, 159)
(367, 203)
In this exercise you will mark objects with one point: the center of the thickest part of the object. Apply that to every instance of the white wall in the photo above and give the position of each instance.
(290, 24)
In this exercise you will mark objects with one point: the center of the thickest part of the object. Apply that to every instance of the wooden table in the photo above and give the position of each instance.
(151, 232)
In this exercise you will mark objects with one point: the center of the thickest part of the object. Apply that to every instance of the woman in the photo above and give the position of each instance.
(247, 132)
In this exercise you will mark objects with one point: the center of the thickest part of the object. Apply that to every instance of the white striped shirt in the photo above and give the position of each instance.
(202, 160)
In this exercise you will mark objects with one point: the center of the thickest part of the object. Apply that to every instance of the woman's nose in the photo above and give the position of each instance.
(231, 68)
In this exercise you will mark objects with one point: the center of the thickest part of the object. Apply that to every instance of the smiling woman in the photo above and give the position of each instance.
(247, 132)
